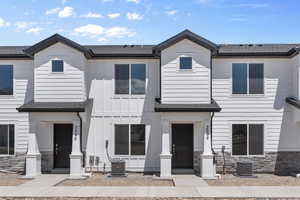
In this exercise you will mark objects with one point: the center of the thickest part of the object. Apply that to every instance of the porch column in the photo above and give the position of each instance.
(207, 164)
(76, 170)
(165, 156)
(33, 156)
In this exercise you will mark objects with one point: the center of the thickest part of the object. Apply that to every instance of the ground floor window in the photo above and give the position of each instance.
(247, 139)
(7, 139)
(129, 139)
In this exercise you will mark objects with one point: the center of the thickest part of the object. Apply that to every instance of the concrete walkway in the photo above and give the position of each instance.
(43, 186)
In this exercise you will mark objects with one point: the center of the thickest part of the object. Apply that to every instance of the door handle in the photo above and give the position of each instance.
(56, 149)
(173, 149)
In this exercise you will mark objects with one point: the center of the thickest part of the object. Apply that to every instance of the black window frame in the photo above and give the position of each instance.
(248, 145)
(11, 90)
(11, 133)
(249, 80)
(54, 68)
(130, 81)
(129, 151)
(182, 63)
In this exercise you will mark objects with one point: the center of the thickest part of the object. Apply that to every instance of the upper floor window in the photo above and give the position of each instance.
(130, 79)
(7, 139)
(6, 80)
(247, 139)
(186, 63)
(247, 78)
(130, 139)
(57, 66)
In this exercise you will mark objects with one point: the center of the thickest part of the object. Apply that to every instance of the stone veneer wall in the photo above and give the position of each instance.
(47, 161)
(281, 163)
(197, 162)
(14, 163)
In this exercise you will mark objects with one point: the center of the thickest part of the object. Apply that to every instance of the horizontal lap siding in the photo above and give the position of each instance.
(185, 86)
(23, 92)
(55, 87)
(268, 109)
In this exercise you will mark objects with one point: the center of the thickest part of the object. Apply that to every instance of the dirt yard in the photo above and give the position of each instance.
(10, 179)
(98, 179)
(261, 180)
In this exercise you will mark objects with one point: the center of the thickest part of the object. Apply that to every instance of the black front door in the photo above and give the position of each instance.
(62, 145)
(182, 146)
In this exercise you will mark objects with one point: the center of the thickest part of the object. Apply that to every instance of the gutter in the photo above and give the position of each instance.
(80, 119)
(213, 113)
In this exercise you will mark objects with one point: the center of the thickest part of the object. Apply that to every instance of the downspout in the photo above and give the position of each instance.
(213, 114)
(80, 119)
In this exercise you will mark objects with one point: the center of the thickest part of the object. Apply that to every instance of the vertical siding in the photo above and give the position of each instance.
(23, 92)
(59, 87)
(268, 109)
(185, 86)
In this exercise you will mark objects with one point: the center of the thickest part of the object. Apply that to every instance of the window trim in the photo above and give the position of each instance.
(15, 128)
(129, 141)
(130, 96)
(247, 123)
(180, 69)
(248, 81)
(9, 96)
(51, 68)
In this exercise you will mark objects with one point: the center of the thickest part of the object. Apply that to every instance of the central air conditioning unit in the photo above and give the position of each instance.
(117, 168)
(244, 169)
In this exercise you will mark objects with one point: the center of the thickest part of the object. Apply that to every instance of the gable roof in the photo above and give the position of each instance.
(54, 39)
(186, 34)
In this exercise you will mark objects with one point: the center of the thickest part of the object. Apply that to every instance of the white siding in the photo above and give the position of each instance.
(59, 87)
(268, 109)
(23, 87)
(185, 86)
(110, 109)
(296, 76)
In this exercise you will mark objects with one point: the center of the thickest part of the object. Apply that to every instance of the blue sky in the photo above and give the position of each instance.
(25, 22)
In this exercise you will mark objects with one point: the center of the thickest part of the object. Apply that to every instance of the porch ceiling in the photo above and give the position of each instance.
(33, 106)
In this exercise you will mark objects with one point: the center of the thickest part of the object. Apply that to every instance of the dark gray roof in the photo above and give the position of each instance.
(147, 51)
(293, 101)
(187, 34)
(212, 107)
(53, 106)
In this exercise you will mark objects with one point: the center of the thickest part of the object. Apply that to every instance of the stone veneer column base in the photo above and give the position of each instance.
(281, 163)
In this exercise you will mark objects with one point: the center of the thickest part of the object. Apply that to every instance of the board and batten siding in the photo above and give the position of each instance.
(185, 86)
(296, 76)
(23, 92)
(269, 108)
(109, 109)
(68, 86)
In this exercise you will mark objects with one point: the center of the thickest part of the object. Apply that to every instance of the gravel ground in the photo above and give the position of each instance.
(10, 179)
(261, 180)
(98, 179)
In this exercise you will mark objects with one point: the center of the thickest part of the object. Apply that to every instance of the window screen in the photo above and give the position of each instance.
(239, 79)
(138, 77)
(137, 139)
(256, 78)
(121, 139)
(121, 79)
(239, 139)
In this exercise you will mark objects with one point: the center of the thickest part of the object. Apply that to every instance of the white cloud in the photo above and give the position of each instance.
(171, 12)
(64, 1)
(66, 12)
(90, 30)
(34, 30)
(23, 25)
(113, 15)
(92, 15)
(254, 5)
(52, 11)
(133, 1)
(119, 32)
(3, 23)
(134, 16)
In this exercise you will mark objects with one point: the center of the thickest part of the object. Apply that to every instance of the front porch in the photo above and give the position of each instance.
(54, 145)
(186, 145)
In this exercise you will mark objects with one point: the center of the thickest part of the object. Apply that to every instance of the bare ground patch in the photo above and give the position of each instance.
(11, 179)
(261, 180)
(98, 179)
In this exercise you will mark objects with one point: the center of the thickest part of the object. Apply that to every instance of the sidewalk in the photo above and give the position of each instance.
(186, 187)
